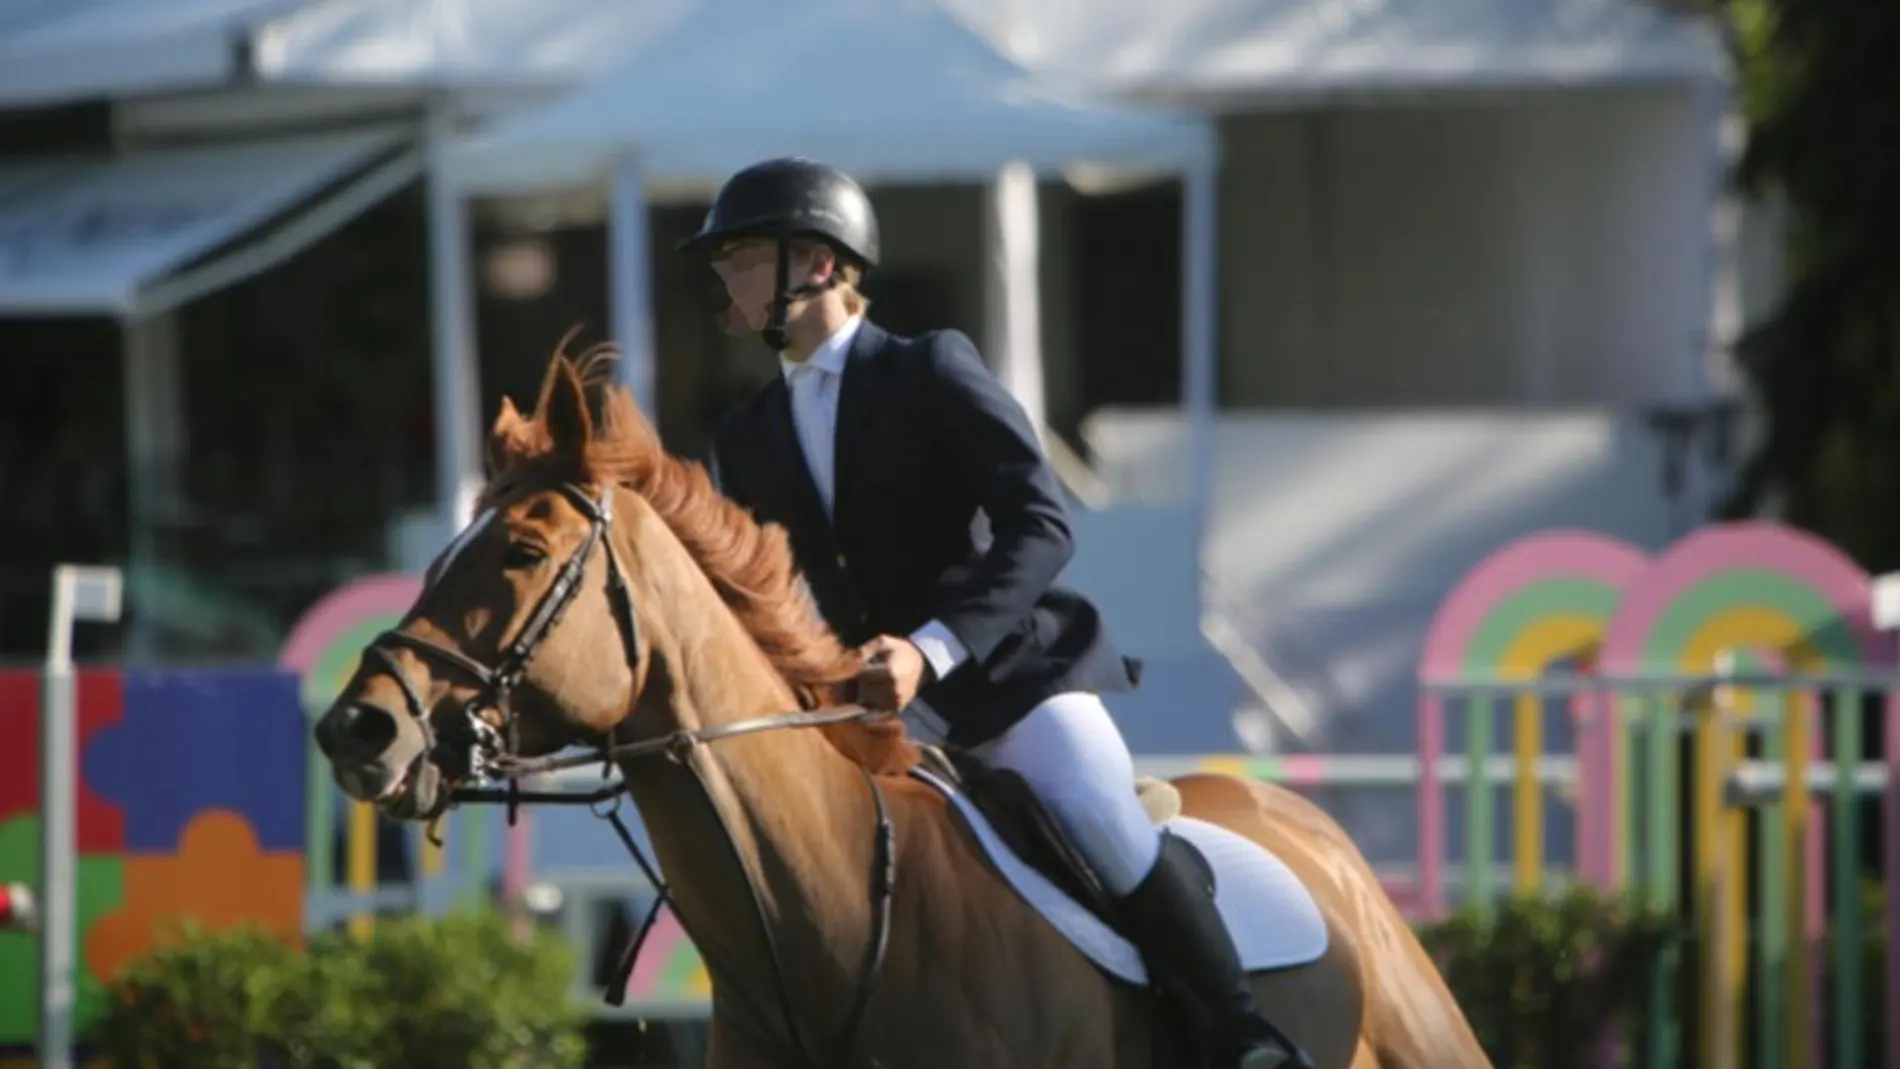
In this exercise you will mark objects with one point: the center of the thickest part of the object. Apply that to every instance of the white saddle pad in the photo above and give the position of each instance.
(1273, 918)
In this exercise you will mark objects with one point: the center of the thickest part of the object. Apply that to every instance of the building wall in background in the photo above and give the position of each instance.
(1542, 250)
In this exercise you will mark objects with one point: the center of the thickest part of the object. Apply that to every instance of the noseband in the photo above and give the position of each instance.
(493, 753)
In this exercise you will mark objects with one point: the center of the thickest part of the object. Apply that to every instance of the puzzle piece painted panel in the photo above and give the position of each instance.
(101, 891)
(194, 741)
(101, 705)
(218, 880)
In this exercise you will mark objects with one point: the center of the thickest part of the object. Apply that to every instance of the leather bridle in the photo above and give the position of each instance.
(491, 753)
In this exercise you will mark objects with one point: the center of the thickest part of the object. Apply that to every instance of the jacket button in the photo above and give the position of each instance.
(842, 563)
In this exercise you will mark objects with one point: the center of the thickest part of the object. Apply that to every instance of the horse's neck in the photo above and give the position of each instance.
(796, 816)
(801, 824)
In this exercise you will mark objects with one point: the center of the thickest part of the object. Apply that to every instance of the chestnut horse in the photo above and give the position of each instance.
(609, 595)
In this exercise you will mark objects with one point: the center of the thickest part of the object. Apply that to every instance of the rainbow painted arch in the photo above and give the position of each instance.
(1588, 601)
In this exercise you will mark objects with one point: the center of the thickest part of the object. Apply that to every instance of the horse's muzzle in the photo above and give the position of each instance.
(376, 756)
(357, 732)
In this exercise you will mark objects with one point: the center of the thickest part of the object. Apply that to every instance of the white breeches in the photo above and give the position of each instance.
(1073, 756)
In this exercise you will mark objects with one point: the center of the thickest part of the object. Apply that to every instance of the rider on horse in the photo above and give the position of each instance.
(876, 452)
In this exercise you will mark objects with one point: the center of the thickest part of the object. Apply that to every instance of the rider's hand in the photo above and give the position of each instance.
(893, 671)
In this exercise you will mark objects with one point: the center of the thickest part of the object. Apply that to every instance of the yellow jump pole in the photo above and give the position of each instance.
(1720, 865)
(1716, 1016)
(361, 852)
(1527, 823)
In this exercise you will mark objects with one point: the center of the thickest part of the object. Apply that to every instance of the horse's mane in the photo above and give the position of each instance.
(749, 564)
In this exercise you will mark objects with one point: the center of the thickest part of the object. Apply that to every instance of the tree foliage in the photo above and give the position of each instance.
(1820, 81)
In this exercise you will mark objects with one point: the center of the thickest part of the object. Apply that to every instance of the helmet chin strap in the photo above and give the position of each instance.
(774, 332)
(784, 293)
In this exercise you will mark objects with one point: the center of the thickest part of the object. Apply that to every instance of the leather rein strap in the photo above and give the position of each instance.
(491, 757)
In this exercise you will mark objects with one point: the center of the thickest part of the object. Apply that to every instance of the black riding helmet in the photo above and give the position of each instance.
(784, 199)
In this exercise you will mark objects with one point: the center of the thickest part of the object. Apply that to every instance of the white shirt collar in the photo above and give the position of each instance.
(829, 356)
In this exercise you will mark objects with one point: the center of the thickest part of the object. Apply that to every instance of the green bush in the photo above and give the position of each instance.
(1542, 979)
(199, 1000)
(1873, 964)
(419, 993)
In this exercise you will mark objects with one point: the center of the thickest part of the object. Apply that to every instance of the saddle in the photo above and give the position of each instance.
(1031, 832)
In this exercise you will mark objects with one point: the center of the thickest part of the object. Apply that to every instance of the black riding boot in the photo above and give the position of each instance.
(1172, 918)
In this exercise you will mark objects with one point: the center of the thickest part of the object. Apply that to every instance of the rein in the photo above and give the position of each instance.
(488, 756)
(675, 744)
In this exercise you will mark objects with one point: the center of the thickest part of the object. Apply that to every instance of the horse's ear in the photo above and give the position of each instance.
(507, 421)
(564, 409)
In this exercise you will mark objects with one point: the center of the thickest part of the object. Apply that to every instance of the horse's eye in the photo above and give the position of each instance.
(523, 555)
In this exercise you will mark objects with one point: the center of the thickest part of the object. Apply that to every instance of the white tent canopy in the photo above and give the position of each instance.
(56, 50)
(1230, 52)
(890, 90)
(476, 44)
(73, 49)
(108, 236)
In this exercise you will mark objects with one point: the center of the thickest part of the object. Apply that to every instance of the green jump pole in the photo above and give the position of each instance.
(1848, 950)
(1480, 822)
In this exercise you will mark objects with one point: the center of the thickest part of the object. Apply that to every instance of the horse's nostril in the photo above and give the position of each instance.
(368, 729)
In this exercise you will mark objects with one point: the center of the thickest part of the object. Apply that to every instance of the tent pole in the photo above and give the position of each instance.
(630, 285)
(1200, 307)
(153, 437)
(457, 360)
(1014, 307)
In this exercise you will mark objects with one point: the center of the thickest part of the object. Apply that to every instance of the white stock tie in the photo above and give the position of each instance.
(812, 416)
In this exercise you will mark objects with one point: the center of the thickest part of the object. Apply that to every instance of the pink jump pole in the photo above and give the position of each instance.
(517, 859)
(1597, 826)
(1595, 711)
